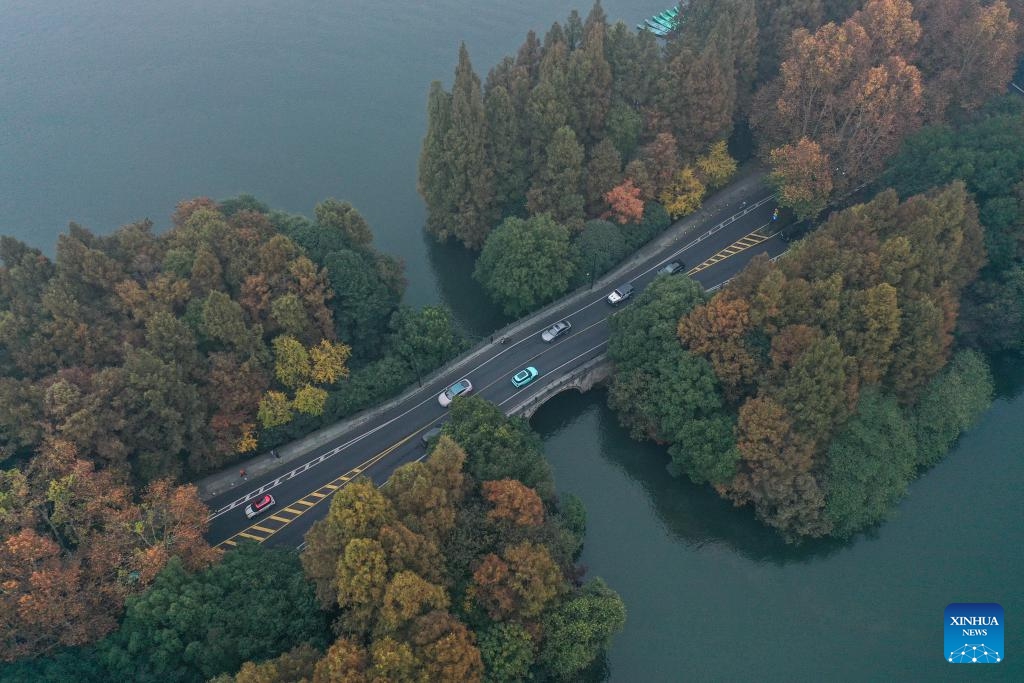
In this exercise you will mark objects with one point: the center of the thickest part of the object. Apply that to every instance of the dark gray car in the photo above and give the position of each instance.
(671, 268)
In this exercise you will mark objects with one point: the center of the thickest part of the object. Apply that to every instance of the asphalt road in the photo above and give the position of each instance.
(302, 488)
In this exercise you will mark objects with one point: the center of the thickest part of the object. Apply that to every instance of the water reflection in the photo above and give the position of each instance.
(1008, 371)
(695, 515)
(452, 267)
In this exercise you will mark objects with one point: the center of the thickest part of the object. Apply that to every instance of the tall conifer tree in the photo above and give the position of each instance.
(604, 171)
(471, 183)
(557, 188)
(590, 85)
(433, 171)
(547, 108)
(505, 155)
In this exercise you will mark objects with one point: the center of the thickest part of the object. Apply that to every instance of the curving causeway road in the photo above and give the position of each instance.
(717, 246)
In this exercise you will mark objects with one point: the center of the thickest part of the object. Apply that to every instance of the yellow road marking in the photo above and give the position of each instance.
(316, 497)
(740, 245)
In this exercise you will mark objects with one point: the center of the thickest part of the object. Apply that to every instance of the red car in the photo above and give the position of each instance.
(259, 505)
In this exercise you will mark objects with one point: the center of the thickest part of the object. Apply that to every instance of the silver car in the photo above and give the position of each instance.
(460, 388)
(556, 330)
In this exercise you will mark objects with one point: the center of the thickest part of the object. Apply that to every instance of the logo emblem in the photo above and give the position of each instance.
(974, 633)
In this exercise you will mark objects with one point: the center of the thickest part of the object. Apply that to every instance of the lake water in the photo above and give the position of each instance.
(114, 111)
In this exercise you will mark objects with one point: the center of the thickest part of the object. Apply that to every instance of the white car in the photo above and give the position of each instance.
(556, 330)
(460, 388)
(620, 294)
(257, 506)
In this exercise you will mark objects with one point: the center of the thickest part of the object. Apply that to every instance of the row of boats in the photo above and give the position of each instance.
(663, 24)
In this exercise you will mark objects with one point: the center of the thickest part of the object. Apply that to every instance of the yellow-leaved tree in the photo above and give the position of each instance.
(684, 195)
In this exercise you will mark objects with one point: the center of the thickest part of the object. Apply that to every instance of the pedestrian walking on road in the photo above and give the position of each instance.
(277, 456)
(242, 473)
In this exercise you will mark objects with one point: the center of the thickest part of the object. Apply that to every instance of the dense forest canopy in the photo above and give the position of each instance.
(462, 568)
(807, 387)
(133, 360)
(812, 389)
(165, 355)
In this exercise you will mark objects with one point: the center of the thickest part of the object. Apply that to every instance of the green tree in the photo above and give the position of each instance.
(505, 153)
(870, 463)
(424, 338)
(434, 180)
(663, 392)
(590, 79)
(525, 263)
(363, 300)
(580, 629)
(698, 95)
(557, 187)
(623, 128)
(224, 320)
(604, 171)
(252, 605)
(598, 248)
(470, 181)
(498, 447)
(951, 404)
(507, 652)
(342, 217)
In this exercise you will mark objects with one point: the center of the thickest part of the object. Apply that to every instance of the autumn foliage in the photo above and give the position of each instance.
(848, 93)
(625, 202)
(793, 344)
(419, 569)
(75, 544)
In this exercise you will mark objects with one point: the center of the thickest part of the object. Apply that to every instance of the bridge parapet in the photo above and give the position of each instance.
(581, 378)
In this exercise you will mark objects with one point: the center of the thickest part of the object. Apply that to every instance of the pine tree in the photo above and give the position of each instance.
(699, 97)
(505, 155)
(590, 81)
(470, 182)
(433, 172)
(529, 56)
(604, 171)
(557, 188)
(547, 108)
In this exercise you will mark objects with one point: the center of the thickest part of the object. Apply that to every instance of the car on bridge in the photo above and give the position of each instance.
(262, 503)
(524, 377)
(556, 330)
(460, 388)
(671, 268)
(620, 294)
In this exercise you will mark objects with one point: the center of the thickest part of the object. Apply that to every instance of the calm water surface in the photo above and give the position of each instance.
(114, 111)
(711, 595)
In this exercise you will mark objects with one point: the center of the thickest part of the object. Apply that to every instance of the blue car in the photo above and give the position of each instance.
(524, 377)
